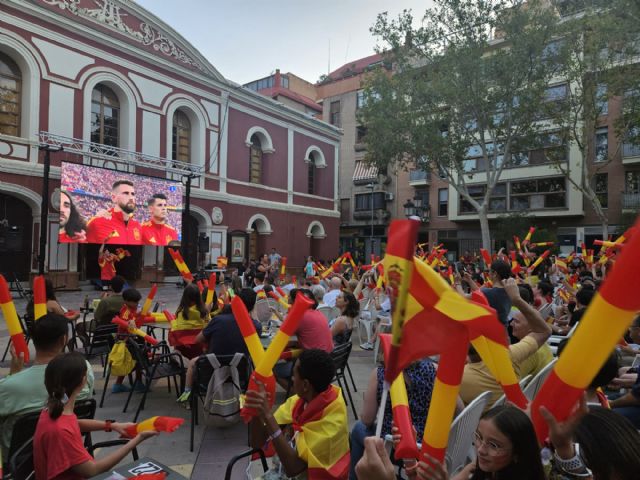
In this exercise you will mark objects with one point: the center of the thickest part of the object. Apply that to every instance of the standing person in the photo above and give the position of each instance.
(106, 262)
(156, 231)
(58, 447)
(274, 258)
(23, 390)
(118, 219)
(309, 268)
(73, 226)
(496, 296)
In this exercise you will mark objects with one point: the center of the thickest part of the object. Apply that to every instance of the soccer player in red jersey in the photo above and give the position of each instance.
(156, 230)
(118, 218)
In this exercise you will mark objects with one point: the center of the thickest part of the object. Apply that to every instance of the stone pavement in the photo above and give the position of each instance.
(213, 448)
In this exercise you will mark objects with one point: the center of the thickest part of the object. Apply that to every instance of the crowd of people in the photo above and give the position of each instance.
(599, 440)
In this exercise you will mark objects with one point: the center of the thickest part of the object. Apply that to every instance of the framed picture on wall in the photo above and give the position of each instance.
(238, 248)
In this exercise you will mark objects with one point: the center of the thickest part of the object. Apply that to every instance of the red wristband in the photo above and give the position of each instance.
(107, 425)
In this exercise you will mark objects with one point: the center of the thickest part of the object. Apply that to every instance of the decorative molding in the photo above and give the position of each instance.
(110, 14)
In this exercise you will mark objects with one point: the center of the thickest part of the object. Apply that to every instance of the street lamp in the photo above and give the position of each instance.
(416, 208)
(409, 209)
(371, 186)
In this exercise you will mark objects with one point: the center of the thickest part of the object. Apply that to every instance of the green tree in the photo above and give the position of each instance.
(472, 77)
(598, 46)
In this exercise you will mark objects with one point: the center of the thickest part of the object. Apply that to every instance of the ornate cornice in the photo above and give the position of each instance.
(109, 13)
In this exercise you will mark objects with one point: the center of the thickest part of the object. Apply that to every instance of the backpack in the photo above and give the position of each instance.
(222, 402)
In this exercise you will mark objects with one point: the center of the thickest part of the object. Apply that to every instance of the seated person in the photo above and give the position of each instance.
(319, 415)
(223, 337)
(111, 305)
(477, 378)
(419, 378)
(342, 326)
(312, 333)
(583, 299)
(53, 306)
(628, 404)
(58, 446)
(541, 358)
(191, 318)
(131, 298)
(23, 391)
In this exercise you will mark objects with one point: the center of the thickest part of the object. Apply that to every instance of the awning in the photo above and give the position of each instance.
(364, 172)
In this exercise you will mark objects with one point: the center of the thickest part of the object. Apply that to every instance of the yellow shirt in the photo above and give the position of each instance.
(536, 362)
(477, 379)
(193, 321)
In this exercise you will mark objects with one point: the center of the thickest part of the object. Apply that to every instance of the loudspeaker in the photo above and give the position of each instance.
(203, 244)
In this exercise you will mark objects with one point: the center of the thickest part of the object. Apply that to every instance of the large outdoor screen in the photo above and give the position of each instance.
(98, 205)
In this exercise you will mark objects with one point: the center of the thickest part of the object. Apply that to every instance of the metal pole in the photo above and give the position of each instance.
(371, 233)
(185, 219)
(44, 206)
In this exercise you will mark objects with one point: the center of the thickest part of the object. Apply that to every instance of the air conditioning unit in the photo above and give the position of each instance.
(388, 196)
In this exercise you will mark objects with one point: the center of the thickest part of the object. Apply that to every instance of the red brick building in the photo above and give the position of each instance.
(93, 73)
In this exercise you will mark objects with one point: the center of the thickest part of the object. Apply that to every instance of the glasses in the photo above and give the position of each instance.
(493, 449)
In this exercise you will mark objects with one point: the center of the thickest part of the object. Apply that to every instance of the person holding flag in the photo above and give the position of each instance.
(318, 414)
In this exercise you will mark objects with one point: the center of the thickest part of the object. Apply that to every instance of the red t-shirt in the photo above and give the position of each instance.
(58, 446)
(158, 233)
(314, 332)
(107, 266)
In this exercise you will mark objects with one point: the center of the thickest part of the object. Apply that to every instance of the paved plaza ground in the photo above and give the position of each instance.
(213, 447)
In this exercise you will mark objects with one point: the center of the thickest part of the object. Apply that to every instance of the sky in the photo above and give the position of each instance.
(248, 39)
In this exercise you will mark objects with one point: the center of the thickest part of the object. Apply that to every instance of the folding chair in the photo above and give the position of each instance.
(26, 321)
(101, 341)
(203, 371)
(249, 453)
(23, 430)
(329, 312)
(523, 382)
(154, 363)
(21, 462)
(340, 356)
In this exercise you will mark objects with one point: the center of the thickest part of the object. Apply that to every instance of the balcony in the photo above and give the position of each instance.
(419, 177)
(631, 201)
(379, 215)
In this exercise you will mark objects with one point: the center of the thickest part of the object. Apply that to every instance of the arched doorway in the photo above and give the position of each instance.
(316, 235)
(16, 230)
(258, 227)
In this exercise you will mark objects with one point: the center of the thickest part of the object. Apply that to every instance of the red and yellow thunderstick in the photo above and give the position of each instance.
(283, 267)
(605, 321)
(407, 448)
(334, 267)
(265, 366)
(280, 300)
(211, 288)
(156, 424)
(527, 239)
(135, 331)
(247, 329)
(13, 322)
(149, 300)
(486, 257)
(539, 260)
(181, 265)
(39, 297)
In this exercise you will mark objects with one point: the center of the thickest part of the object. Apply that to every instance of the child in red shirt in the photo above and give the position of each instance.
(58, 449)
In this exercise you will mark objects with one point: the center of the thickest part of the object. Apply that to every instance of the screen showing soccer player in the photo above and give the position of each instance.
(99, 205)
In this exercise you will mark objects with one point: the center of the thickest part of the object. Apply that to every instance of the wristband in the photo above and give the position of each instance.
(272, 437)
(574, 465)
(107, 425)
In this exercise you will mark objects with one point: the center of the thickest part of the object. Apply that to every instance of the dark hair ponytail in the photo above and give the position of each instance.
(62, 376)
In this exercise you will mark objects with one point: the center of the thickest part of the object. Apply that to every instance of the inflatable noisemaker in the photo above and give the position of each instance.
(541, 244)
(168, 315)
(486, 257)
(13, 322)
(334, 267)
(539, 260)
(149, 300)
(407, 448)
(265, 366)
(515, 266)
(135, 331)
(39, 297)
(516, 241)
(527, 239)
(211, 288)
(291, 354)
(280, 300)
(607, 243)
(180, 265)
(156, 424)
(283, 267)
(294, 280)
(200, 286)
(247, 329)
(607, 317)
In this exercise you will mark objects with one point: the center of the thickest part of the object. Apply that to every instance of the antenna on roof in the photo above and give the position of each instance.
(346, 53)
(329, 59)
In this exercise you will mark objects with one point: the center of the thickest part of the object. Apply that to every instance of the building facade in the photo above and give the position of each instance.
(90, 74)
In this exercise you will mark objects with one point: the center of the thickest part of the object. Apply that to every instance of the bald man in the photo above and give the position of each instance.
(334, 290)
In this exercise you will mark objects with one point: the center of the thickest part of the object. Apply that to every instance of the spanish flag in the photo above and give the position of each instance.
(322, 429)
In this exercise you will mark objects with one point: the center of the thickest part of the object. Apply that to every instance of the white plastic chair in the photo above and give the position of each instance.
(463, 428)
(329, 312)
(263, 312)
(365, 320)
(531, 390)
(383, 327)
(554, 340)
(523, 383)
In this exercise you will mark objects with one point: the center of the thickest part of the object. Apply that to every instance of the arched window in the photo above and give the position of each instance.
(10, 96)
(255, 160)
(105, 116)
(181, 149)
(311, 178)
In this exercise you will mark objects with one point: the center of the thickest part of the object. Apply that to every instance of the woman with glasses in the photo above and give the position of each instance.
(343, 325)
(506, 448)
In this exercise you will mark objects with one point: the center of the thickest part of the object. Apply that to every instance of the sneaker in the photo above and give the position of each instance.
(120, 388)
(366, 346)
(184, 398)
